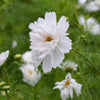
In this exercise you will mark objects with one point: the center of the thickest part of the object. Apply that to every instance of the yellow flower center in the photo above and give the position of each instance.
(30, 72)
(49, 38)
(67, 82)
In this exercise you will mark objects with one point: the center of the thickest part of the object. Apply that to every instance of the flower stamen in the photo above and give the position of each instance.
(67, 82)
(48, 39)
(30, 72)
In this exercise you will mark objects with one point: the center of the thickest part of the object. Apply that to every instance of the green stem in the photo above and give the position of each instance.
(6, 75)
(35, 95)
(85, 83)
(7, 95)
(86, 59)
(15, 62)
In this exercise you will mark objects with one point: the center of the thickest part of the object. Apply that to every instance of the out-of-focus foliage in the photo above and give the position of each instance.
(15, 16)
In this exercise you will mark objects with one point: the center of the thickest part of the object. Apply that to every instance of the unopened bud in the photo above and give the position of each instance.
(18, 56)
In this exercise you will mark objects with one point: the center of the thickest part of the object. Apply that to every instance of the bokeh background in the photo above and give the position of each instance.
(15, 16)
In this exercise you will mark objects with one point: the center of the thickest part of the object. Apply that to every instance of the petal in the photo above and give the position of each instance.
(3, 57)
(82, 2)
(81, 20)
(31, 25)
(65, 44)
(35, 58)
(68, 76)
(57, 56)
(47, 64)
(62, 25)
(50, 19)
(71, 93)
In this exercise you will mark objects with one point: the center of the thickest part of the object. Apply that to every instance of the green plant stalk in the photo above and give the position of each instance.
(85, 84)
(7, 95)
(86, 59)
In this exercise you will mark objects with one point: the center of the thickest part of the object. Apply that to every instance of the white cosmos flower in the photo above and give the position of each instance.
(97, 3)
(90, 25)
(49, 41)
(67, 86)
(90, 6)
(67, 64)
(30, 76)
(27, 57)
(3, 57)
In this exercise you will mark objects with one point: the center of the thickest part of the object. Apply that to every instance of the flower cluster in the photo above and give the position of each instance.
(90, 25)
(49, 43)
(30, 74)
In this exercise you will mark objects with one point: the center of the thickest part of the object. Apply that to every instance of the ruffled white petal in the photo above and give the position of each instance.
(57, 56)
(62, 25)
(47, 64)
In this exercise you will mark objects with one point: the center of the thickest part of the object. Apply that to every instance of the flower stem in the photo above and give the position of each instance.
(7, 95)
(35, 95)
(86, 59)
(85, 83)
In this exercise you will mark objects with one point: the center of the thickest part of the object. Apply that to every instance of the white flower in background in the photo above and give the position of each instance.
(90, 25)
(30, 76)
(27, 57)
(14, 44)
(90, 6)
(69, 65)
(49, 41)
(82, 2)
(67, 86)
(97, 2)
(3, 57)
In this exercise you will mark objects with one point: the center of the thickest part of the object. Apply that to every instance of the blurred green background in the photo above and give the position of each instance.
(15, 16)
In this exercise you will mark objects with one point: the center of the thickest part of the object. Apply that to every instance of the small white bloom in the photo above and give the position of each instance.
(49, 41)
(30, 76)
(27, 57)
(82, 2)
(97, 3)
(90, 25)
(14, 44)
(3, 57)
(69, 65)
(91, 6)
(67, 86)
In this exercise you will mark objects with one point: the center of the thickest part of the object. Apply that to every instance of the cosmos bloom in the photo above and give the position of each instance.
(67, 64)
(30, 76)
(3, 57)
(49, 41)
(27, 57)
(90, 6)
(90, 25)
(97, 2)
(67, 86)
